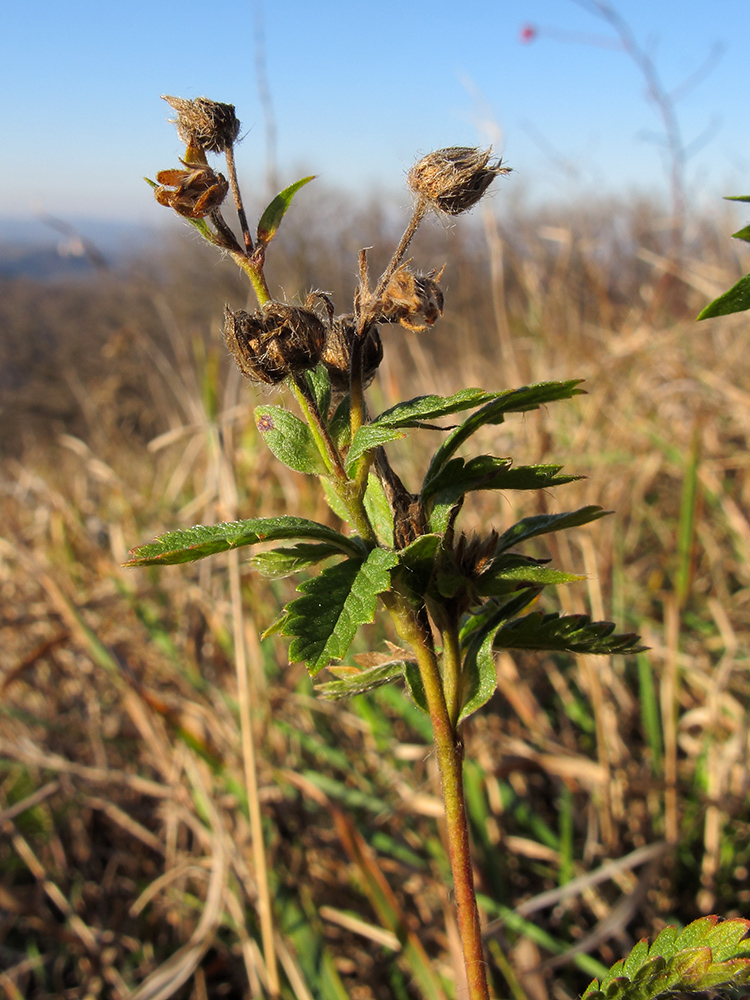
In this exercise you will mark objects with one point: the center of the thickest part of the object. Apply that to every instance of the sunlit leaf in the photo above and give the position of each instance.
(737, 299)
(189, 544)
(529, 397)
(360, 681)
(275, 211)
(334, 604)
(289, 439)
(573, 633)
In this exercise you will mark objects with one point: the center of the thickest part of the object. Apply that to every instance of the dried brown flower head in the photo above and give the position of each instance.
(277, 341)
(474, 553)
(209, 124)
(413, 300)
(193, 192)
(337, 353)
(453, 180)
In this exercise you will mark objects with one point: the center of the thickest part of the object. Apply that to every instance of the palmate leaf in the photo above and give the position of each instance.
(570, 633)
(708, 954)
(189, 544)
(289, 439)
(529, 397)
(324, 621)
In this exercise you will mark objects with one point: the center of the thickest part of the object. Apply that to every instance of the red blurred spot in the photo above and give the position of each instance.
(527, 34)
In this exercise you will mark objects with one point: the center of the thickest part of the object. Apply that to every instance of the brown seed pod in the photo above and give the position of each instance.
(209, 124)
(277, 341)
(193, 192)
(413, 300)
(337, 353)
(453, 180)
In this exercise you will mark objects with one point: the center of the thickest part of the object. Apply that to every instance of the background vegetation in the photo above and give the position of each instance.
(125, 842)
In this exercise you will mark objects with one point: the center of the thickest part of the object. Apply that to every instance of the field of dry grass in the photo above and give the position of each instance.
(127, 862)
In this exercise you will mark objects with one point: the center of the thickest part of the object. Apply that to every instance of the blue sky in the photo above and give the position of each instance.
(358, 90)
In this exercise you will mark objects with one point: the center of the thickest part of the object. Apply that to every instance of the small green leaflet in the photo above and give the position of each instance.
(282, 562)
(708, 954)
(572, 633)
(324, 621)
(275, 211)
(289, 439)
(542, 524)
(485, 472)
(361, 681)
(189, 544)
(480, 678)
(737, 299)
(412, 413)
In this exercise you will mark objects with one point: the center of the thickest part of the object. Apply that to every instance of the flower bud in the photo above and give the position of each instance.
(277, 341)
(413, 300)
(208, 124)
(193, 192)
(453, 180)
(337, 353)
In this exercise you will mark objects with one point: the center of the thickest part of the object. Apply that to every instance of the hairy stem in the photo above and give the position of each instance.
(232, 171)
(256, 276)
(420, 210)
(414, 628)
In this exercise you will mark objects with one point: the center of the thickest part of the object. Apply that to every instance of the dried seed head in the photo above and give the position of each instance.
(193, 192)
(413, 300)
(209, 124)
(277, 341)
(337, 353)
(475, 553)
(453, 180)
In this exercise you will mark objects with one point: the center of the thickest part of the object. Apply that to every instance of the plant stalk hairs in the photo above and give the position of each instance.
(454, 599)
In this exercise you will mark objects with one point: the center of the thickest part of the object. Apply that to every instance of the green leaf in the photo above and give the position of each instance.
(742, 234)
(737, 197)
(499, 580)
(572, 633)
(414, 683)
(418, 560)
(485, 472)
(368, 437)
(275, 211)
(379, 510)
(340, 427)
(706, 955)
(492, 614)
(320, 386)
(188, 544)
(324, 621)
(542, 524)
(289, 439)
(361, 681)
(481, 679)
(413, 412)
(279, 563)
(737, 299)
(529, 397)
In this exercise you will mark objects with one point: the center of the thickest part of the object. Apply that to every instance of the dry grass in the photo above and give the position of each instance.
(126, 861)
